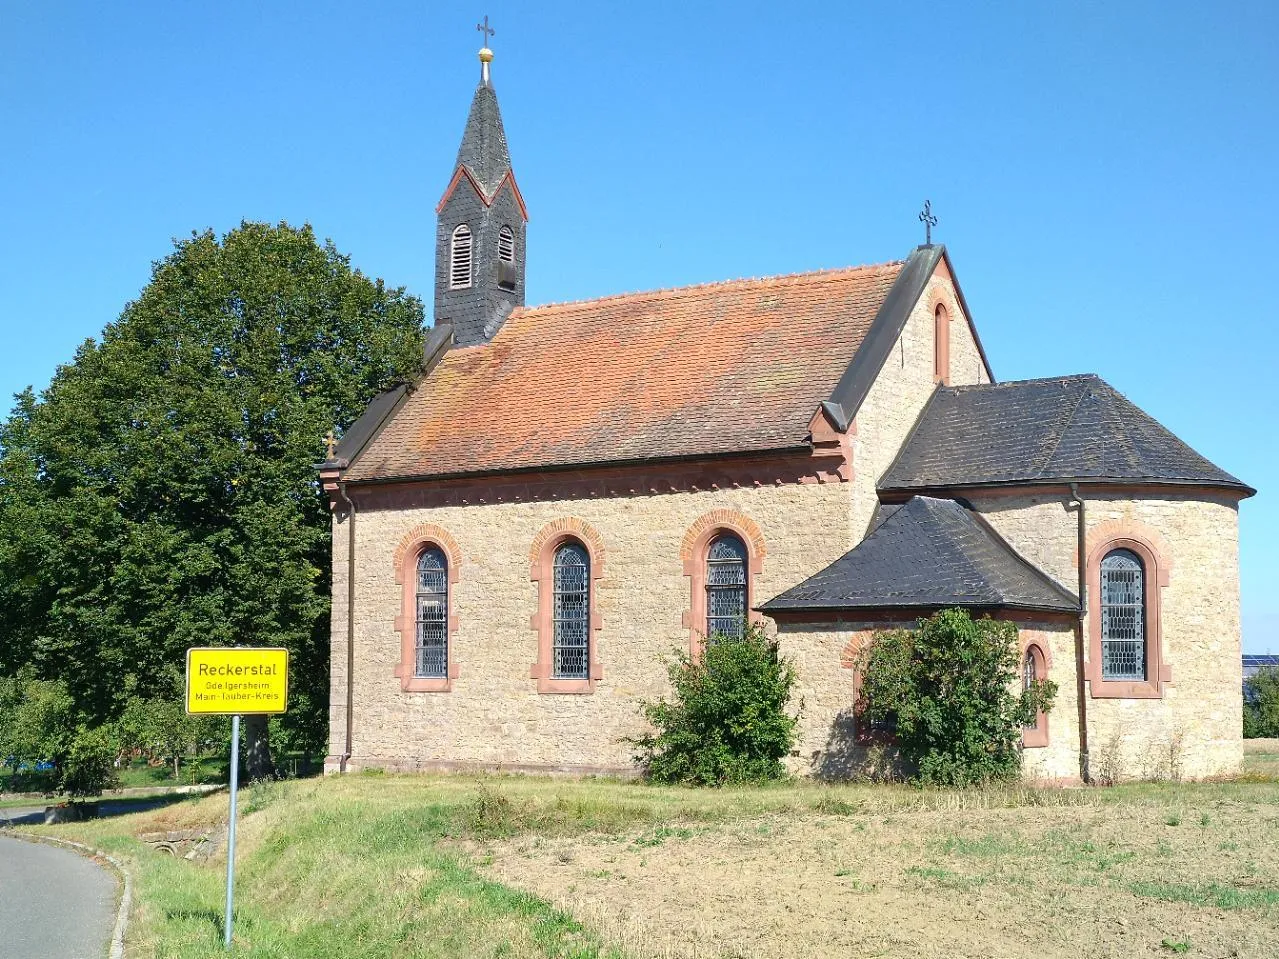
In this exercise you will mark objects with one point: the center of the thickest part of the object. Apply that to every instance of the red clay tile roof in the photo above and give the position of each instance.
(702, 370)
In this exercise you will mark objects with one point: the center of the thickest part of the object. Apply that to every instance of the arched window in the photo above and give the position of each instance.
(571, 613)
(506, 245)
(460, 262)
(1028, 676)
(726, 587)
(432, 614)
(1034, 667)
(941, 345)
(1123, 607)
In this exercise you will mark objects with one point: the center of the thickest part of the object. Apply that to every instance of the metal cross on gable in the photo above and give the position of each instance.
(927, 218)
(486, 30)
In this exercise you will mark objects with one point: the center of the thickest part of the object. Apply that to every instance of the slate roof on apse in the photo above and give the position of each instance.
(928, 553)
(1056, 429)
(702, 370)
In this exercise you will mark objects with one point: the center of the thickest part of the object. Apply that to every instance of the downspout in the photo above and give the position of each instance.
(1080, 632)
(350, 625)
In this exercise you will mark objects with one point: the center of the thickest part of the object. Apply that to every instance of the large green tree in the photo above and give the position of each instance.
(160, 493)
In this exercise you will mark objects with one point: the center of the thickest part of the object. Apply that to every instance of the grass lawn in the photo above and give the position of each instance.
(383, 866)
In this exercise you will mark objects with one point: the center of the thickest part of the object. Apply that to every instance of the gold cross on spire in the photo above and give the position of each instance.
(331, 442)
(486, 30)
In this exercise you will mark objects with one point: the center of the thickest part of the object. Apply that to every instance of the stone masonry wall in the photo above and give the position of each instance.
(901, 390)
(1194, 730)
(831, 744)
(494, 714)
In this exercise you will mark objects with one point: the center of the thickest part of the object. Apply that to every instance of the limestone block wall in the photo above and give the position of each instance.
(831, 744)
(493, 713)
(901, 390)
(1194, 729)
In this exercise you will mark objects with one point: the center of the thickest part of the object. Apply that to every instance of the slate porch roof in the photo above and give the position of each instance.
(1059, 429)
(717, 369)
(928, 554)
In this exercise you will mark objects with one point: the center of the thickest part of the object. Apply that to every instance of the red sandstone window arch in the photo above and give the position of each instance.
(729, 530)
(566, 561)
(941, 345)
(1128, 562)
(427, 623)
(1035, 667)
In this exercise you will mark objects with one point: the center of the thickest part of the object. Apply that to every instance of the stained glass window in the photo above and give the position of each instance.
(726, 587)
(1123, 608)
(432, 614)
(572, 613)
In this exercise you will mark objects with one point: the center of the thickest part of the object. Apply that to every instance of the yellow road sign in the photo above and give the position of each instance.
(237, 681)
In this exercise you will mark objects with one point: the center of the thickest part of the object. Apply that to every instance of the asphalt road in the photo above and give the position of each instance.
(54, 903)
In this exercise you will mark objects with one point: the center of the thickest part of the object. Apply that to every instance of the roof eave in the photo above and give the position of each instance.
(800, 450)
(950, 490)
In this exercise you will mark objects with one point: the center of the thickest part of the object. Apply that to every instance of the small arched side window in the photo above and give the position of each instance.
(432, 615)
(1123, 607)
(941, 345)
(1034, 668)
(460, 260)
(726, 587)
(506, 245)
(571, 613)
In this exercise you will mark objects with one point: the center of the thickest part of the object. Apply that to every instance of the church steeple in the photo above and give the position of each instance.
(479, 245)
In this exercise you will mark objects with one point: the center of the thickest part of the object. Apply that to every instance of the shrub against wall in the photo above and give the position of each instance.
(951, 689)
(728, 720)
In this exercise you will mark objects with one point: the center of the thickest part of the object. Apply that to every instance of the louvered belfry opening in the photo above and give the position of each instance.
(461, 259)
(432, 614)
(1123, 629)
(506, 245)
(726, 587)
(571, 613)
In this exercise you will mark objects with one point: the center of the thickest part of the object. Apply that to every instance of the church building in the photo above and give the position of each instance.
(569, 493)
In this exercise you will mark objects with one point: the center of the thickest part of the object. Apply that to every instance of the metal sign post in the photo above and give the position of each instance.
(236, 681)
(230, 830)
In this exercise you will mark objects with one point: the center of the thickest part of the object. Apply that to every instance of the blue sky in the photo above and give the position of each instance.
(1104, 173)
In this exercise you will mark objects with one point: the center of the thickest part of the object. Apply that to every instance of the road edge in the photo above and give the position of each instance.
(116, 950)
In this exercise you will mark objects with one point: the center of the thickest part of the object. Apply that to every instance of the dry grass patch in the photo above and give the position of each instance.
(399, 866)
(1141, 870)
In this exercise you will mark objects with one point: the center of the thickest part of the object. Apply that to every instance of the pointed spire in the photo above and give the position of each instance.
(483, 151)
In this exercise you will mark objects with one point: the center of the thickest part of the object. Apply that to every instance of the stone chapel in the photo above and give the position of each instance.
(567, 493)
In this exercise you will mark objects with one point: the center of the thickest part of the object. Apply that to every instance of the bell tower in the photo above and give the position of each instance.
(480, 226)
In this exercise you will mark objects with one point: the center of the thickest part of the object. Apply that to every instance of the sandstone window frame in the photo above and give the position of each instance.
(941, 345)
(694, 553)
(1156, 568)
(407, 555)
(1036, 736)
(542, 572)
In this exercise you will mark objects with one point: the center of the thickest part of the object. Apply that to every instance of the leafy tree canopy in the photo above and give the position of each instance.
(160, 493)
(1261, 704)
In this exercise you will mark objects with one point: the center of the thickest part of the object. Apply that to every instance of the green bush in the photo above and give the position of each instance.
(951, 689)
(46, 746)
(727, 721)
(162, 730)
(1261, 704)
(89, 766)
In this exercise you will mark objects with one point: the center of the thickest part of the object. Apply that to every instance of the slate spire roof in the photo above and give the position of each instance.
(928, 554)
(1054, 430)
(483, 151)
